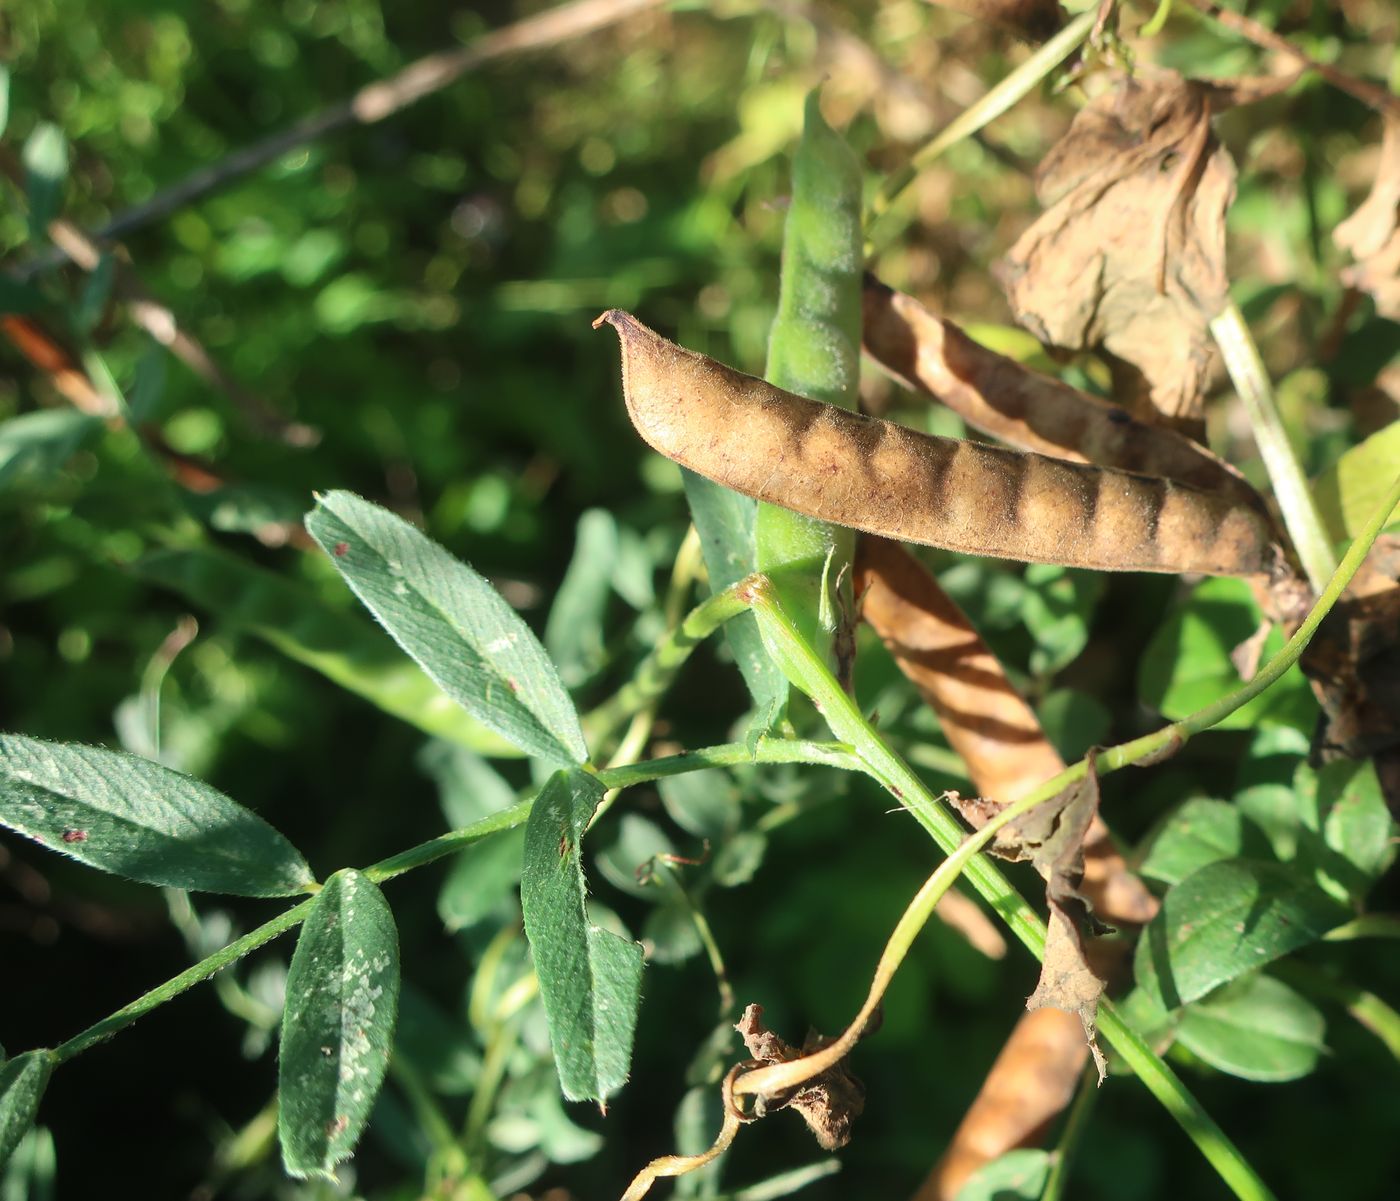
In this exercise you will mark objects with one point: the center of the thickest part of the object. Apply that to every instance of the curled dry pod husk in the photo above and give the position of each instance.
(931, 355)
(882, 478)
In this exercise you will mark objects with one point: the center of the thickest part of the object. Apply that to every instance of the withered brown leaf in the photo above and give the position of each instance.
(1129, 256)
(1372, 234)
(1051, 836)
(829, 1103)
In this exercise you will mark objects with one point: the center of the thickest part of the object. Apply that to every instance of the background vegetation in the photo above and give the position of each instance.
(403, 308)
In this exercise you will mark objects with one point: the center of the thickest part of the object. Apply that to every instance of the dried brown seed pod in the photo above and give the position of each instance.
(880, 477)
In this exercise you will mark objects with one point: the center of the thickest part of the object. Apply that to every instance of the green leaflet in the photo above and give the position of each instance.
(129, 816)
(345, 649)
(22, 1083)
(453, 624)
(34, 446)
(1256, 1028)
(590, 979)
(338, 1026)
(814, 350)
(1228, 918)
(724, 520)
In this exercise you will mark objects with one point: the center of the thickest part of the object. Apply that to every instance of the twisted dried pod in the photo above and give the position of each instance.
(882, 478)
(931, 355)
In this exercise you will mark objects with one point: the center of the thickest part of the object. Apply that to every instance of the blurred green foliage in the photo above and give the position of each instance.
(416, 294)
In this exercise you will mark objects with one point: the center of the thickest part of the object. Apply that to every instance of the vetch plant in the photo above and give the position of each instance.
(798, 502)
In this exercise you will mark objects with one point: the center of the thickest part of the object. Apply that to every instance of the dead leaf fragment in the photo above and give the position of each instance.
(829, 1103)
(1372, 234)
(1129, 256)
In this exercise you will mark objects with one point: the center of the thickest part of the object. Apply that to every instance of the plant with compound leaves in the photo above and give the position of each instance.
(1090, 487)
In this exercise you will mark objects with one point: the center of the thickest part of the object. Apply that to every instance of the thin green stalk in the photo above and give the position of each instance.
(446, 844)
(706, 935)
(1368, 925)
(881, 223)
(1291, 487)
(1164, 1084)
(187, 979)
(733, 754)
(655, 673)
(1367, 1008)
(1071, 1136)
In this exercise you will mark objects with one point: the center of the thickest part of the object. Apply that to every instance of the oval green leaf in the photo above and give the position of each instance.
(453, 624)
(1257, 1028)
(1226, 919)
(1348, 492)
(22, 1083)
(338, 1025)
(123, 814)
(590, 979)
(1199, 832)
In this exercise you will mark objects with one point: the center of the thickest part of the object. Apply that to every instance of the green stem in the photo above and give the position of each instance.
(1291, 487)
(655, 673)
(1070, 1137)
(187, 979)
(1367, 1008)
(882, 224)
(1173, 1096)
(726, 755)
(1368, 925)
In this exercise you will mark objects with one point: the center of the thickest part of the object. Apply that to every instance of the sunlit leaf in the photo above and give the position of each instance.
(338, 1026)
(1348, 492)
(126, 815)
(1228, 918)
(1187, 663)
(454, 625)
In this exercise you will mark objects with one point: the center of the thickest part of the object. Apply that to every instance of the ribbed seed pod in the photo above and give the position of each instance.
(883, 478)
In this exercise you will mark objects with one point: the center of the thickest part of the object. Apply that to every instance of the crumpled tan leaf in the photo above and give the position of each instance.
(1051, 836)
(829, 1103)
(1371, 235)
(1129, 256)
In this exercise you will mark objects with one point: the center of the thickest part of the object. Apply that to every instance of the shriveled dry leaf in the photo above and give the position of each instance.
(1372, 234)
(1129, 256)
(829, 1103)
(1051, 836)
(931, 355)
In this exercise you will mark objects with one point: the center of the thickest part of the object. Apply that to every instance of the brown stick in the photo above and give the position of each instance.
(373, 103)
(1368, 93)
